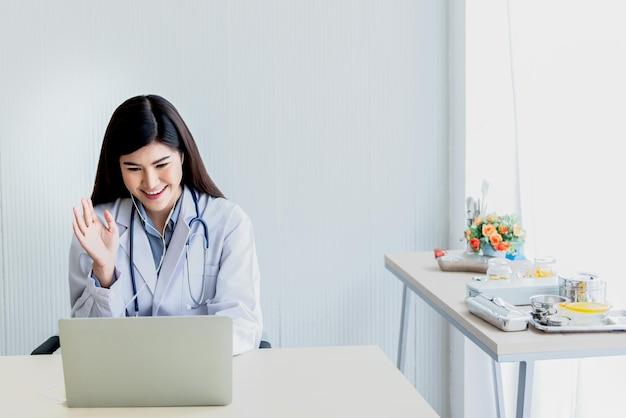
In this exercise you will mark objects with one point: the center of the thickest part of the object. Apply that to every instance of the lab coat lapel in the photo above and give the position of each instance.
(143, 261)
(175, 249)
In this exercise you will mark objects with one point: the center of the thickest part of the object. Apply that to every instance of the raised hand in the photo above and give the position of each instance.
(99, 241)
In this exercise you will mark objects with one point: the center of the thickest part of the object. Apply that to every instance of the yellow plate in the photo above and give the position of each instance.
(592, 308)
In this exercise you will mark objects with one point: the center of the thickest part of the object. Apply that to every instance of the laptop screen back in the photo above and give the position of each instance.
(147, 361)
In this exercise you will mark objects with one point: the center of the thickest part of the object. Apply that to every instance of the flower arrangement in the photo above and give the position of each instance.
(497, 233)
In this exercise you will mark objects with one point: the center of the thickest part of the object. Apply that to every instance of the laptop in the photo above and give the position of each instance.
(147, 361)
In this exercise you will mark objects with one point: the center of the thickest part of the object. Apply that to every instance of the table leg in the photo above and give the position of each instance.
(403, 329)
(525, 388)
(498, 389)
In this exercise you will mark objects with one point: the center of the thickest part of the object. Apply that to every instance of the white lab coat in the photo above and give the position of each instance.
(231, 270)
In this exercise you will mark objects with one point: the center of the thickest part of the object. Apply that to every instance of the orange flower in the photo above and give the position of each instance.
(495, 239)
(503, 229)
(475, 244)
(488, 229)
(477, 221)
(503, 246)
(468, 234)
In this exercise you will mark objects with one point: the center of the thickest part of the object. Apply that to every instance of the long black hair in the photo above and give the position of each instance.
(137, 122)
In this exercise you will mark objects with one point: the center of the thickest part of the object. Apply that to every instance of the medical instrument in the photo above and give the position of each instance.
(545, 306)
(196, 219)
(498, 312)
(199, 302)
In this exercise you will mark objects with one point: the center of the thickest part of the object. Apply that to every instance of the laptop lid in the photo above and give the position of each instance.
(147, 361)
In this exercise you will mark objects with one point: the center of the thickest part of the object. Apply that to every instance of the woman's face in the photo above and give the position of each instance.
(153, 175)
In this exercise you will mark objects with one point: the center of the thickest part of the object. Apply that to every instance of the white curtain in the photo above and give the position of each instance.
(545, 103)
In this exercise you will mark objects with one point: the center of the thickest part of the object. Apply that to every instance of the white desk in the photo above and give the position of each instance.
(445, 292)
(300, 382)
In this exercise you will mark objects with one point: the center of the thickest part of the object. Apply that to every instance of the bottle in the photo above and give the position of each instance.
(545, 268)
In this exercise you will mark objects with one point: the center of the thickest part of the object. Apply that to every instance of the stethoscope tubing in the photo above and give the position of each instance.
(206, 247)
(130, 264)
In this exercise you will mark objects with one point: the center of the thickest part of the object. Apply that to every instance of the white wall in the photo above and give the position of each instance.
(325, 121)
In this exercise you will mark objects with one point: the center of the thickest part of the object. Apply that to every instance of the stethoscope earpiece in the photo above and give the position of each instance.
(197, 303)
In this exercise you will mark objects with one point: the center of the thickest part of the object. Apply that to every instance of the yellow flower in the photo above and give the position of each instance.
(491, 218)
(517, 230)
(488, 229)
(468, 234)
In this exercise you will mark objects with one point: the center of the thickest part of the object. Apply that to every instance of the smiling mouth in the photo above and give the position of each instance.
(155, 195)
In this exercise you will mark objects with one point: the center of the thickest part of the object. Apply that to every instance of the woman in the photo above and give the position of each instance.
(158, 237)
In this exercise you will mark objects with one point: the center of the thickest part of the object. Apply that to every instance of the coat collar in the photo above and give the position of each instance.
(175, 249)
(143, 261)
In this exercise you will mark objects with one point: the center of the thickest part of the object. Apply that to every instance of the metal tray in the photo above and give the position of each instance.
(497, 312)
(614, 321)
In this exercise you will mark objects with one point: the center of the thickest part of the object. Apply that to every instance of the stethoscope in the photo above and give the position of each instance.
(196, 302)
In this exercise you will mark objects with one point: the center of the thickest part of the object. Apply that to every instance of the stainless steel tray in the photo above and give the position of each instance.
(614, 321)
(497, 312)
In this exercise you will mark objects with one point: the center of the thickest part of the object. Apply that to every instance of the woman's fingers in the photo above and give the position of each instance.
(84, 241)
(92, 211)
(111, 224)
(87, 212)
(79, 235)
(79, 221)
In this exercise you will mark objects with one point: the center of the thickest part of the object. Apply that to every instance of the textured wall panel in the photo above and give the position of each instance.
(324, 120)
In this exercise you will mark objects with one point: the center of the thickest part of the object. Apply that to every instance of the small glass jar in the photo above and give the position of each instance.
(582, 287)
(545, 268)
(499, 269)
(523, 269)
